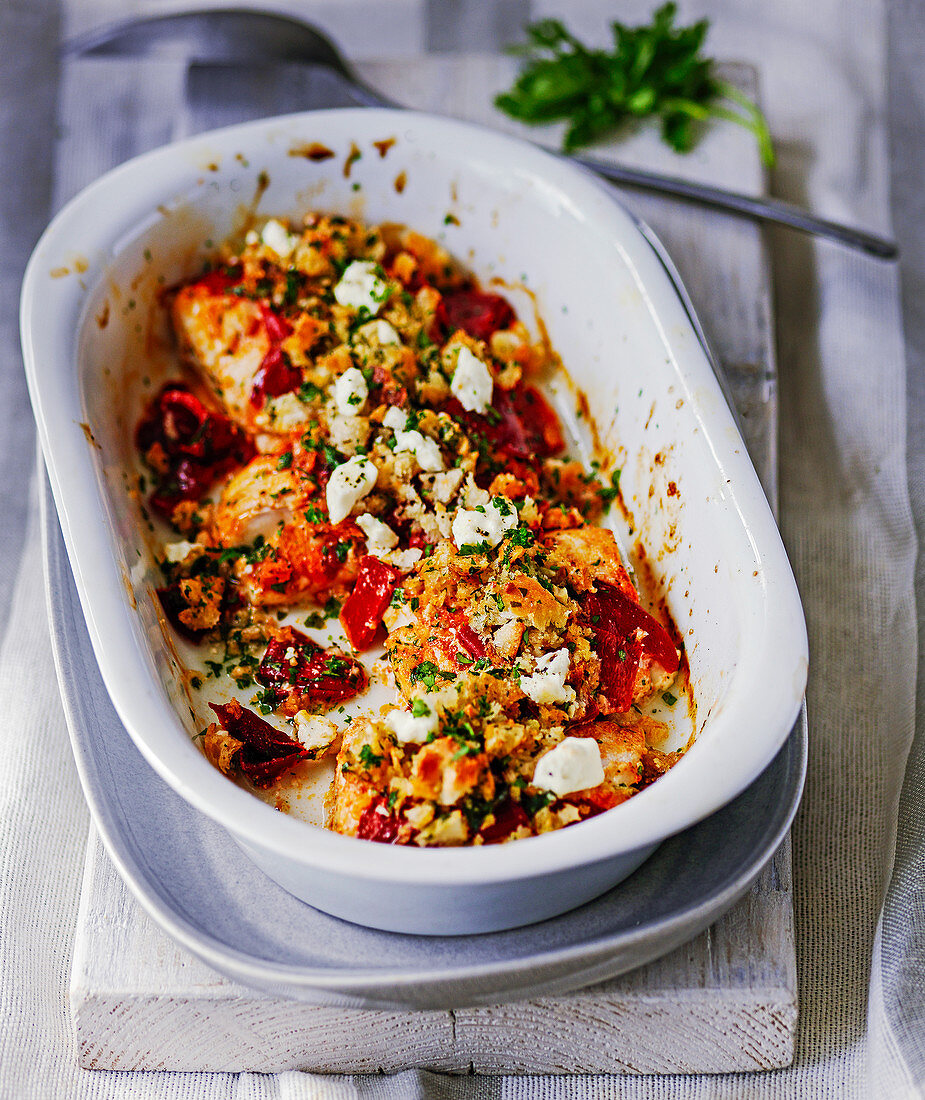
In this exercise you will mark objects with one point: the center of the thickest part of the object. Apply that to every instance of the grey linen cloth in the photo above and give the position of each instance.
(846, 519)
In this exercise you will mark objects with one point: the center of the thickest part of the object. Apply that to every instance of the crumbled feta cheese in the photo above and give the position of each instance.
(444, 485)
(380, 538)
(287, 412)
(395, 618)
(404, 560)
(424, 449)
(179, 551)
(471, 527)
(547, 684)
(445, 831)
(419, 815)
(276, 237)
(472, 382)
(473, 496)
(348, 433)
(395, 419)
(251, 237)
(361, 287)
(573, 765)
(350, 392)
(315, 733)
(411, 730)
(347, 485)
(380, 331)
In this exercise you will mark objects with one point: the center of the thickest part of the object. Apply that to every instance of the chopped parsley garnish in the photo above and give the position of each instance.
(309, 392)
(284, 461)
(419, 709)
(669, 698)
(533, 803)
(292, 286)
(609, 495)
(426, 673)
(521, 536)
(368, 758)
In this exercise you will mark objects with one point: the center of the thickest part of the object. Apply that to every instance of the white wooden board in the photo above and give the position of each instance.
(726, 1001)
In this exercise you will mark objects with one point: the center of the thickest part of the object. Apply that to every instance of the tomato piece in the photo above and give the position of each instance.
(275, 375)
(509, 816)
(173, 603)
(266, 752)
(615, 620)
(377, 822)
(523, 426)
(364, 607)
(221, 280)
(385, 389)
(475, 312)
(462, 638)
(278, 328)
(197, 444)
(296, 668)
(537, 418)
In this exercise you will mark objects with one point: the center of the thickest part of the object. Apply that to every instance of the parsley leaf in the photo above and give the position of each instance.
(654, 70)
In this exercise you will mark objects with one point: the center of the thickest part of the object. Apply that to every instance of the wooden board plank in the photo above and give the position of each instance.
(727, 1000)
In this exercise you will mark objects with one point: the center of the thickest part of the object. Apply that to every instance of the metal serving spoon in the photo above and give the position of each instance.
(228, 35)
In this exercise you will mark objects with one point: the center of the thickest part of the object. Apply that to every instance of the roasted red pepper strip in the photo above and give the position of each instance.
(509, 816)
(465, 638)
(523, 425)
(297, 668)
(222, 280)
(275, 375)
(615, 620)
(474, 312)
(197, 444)
(278, 328)
(266, 752)
(364, 607)
(378, 823)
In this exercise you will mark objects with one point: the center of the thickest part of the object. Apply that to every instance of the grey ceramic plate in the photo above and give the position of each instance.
(200, 888)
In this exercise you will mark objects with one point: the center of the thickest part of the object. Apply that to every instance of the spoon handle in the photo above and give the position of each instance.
(766, 210)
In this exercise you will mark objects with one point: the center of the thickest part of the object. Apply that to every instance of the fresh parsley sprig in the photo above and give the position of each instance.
(654, 70)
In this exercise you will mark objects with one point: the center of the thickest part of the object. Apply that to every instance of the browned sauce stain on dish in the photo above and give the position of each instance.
(176, 660)
(401, 181)
(76, 266)
(312, 150)
(384, 146)
(246, 213)
(102, 318)
(352, 157)
(88, 435)
(129, 590)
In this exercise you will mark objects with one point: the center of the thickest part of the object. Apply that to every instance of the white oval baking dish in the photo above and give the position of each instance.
(516, 213)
